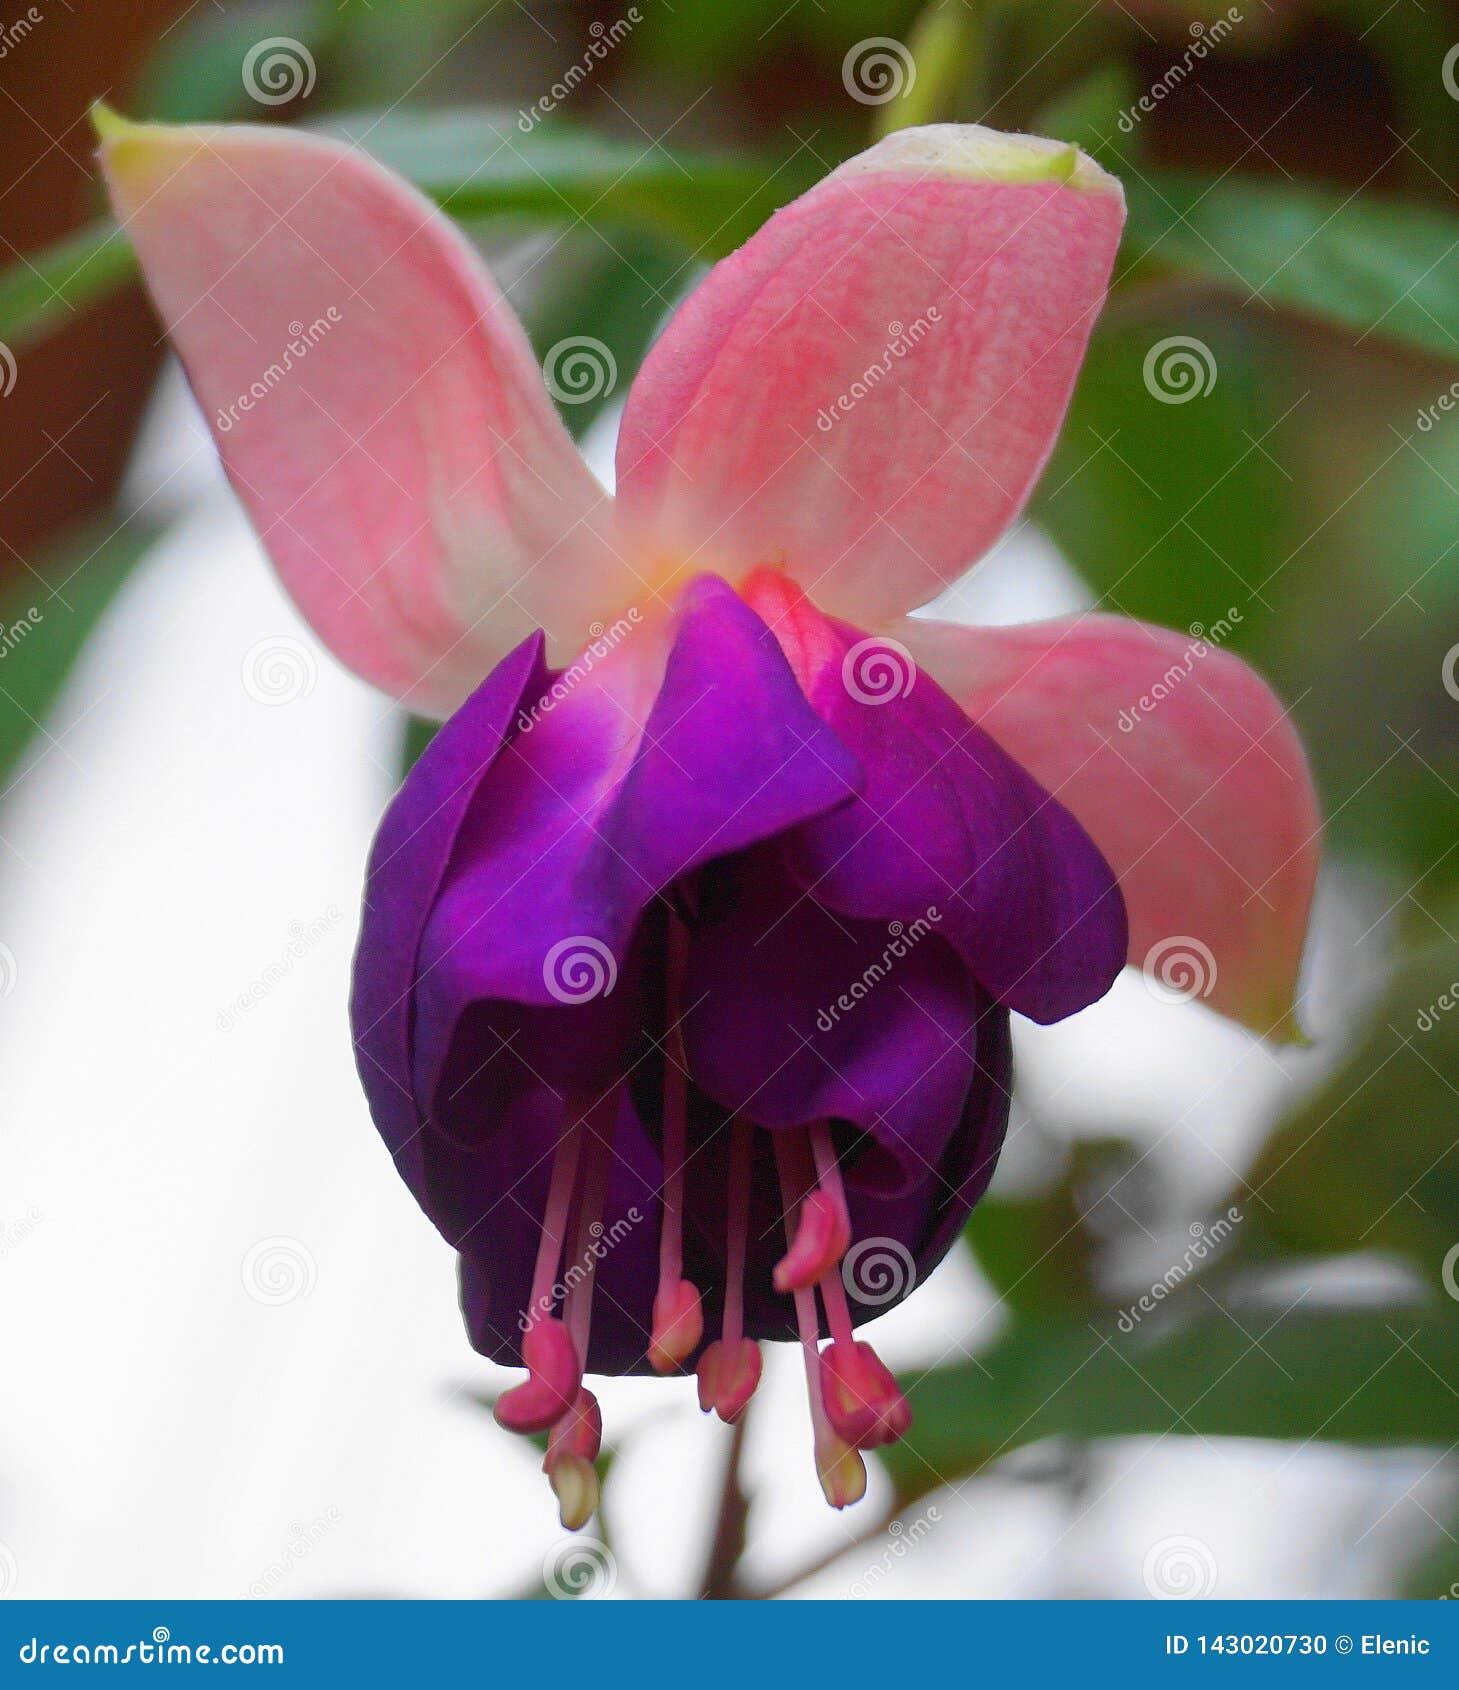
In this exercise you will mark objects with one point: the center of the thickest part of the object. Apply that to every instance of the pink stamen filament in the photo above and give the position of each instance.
(792, 1189)
(592, 1193)
(555, 1216)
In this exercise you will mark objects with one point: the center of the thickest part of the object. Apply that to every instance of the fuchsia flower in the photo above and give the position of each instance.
(690, 944)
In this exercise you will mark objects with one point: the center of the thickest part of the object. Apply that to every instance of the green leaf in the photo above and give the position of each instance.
(195, 74)
(1375, 1378)
(1359, 262)
(46, 616)
(478, 163)
(1171, 510)
(42, 290)
(1370, 1161)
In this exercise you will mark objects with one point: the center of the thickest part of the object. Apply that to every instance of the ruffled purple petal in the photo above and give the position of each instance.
(535, 949)
(407, 864)
(946, 820)
(796, 1014)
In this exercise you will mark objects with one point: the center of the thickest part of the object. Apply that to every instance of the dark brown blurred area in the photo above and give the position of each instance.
(72, 414)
